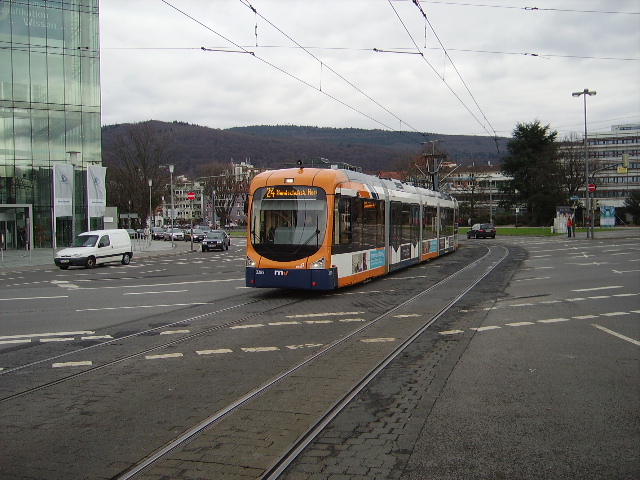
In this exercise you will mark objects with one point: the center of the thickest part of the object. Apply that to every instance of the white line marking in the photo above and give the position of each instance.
(327, 314)
(140, 306)
(614, 314)
(577, 299)
(521, 305)
(585, 317)
(260, 349)
(174, 332)
(96, 337)
(482, 329)
(378, 340)
(520, 324)
(166, 355)
(57, 339)
(318, 321)
(554, 320)
(34, 298)
(72, 364)
(616, 334)
(50, 334)
(597, 288)
(551, 301)
(451, 332)
(8, 342)
(625, 295)
(277, 324)
(599, 297)
(345, 320)
(214, 352)
(255, 325)
(408, 315)
(151, 293)
(306, 345)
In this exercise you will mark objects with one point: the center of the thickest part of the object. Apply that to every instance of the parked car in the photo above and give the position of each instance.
(216, 239)
(173, 234)
(198, 235)
(482, 230)
(141, 233)
(131, 232)
(157, 233)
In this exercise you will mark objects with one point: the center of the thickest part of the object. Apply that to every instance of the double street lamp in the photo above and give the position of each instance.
(589, 204)
(171, 167)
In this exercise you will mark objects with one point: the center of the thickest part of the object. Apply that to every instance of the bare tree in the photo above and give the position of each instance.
(223, 188)
(135, 157)
(572, 163)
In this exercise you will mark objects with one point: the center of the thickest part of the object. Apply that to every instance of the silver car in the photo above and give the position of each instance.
(173, 234)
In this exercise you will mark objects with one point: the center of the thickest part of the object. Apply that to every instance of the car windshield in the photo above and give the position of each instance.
(85, 241)
(486, 226)
(216, 235)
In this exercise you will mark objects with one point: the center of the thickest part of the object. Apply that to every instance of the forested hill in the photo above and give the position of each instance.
(274, 146)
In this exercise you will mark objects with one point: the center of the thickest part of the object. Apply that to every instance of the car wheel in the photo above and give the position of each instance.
(126, 259)
(90, 263)
(63, 267)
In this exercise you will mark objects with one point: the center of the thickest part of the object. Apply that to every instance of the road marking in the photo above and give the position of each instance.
(616, 334)
(57, 339)
(96, 337)
(345, 320)
(8, 342)
(306, 345)
(614, 314)
(277, 324)
(166, 355)
(34, 298)
(174, 332)
(72, 364)
(451, 332)
(255, 325)
(585, 317)
(378, 340)
(151, 293)
(625, 294)
(50, 334)
(597, 288)
(520, 324)
(310, 322)
(483, 329)
(214, 352)
(260, 349)
(554, 320)
(327, 314)
(141, 306)
(521, 305)
(408, 315)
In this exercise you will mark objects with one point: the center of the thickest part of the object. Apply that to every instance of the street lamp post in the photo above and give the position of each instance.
(73, 159)
(589, 204)
(151, 223)
(171, 167)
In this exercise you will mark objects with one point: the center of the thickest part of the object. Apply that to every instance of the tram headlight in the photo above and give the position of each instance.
(250, 262)
(319, 263)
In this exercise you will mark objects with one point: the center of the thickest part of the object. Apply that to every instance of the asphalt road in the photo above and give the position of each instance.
(535, 374)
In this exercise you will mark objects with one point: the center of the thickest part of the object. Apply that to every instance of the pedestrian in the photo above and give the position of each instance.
(569, 227)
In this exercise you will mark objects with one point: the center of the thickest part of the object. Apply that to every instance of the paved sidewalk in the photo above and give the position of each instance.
(12, 260)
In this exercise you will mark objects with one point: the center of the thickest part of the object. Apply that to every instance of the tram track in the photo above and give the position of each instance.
(299, 437)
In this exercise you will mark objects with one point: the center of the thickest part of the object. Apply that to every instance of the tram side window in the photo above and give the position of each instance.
(396, 225)
(372, 222)
(447, 218)
(359, 223)
(429, 226)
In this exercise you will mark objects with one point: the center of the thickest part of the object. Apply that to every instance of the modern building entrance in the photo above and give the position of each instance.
(16, 229)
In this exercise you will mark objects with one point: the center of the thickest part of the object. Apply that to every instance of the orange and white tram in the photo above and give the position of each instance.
(321, 229)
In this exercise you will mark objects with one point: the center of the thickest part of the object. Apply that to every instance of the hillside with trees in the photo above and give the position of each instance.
(193, 146)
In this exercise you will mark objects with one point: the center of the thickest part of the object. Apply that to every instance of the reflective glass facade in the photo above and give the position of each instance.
(49, 106)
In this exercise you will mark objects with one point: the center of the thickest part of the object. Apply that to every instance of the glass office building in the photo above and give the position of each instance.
(49, 108)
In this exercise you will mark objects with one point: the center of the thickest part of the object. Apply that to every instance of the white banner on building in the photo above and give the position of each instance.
(96, 191)
(62, 190)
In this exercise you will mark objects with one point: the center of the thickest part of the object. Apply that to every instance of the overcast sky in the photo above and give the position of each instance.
(315, 63)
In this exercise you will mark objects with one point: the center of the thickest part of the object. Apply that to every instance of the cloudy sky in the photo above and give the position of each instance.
(472, 67)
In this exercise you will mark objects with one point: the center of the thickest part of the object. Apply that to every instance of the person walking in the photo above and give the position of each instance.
(569, 227)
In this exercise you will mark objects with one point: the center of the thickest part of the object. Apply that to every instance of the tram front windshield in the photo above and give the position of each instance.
(288, 223)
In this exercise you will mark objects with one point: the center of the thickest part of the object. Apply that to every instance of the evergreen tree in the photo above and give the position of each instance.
(533, 162)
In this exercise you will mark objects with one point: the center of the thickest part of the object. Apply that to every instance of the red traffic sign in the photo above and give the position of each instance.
(592, 187)
(192, 196)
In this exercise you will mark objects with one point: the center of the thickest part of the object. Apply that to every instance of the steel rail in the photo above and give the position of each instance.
(308, 437)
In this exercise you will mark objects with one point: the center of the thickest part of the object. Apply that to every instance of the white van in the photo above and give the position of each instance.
(99, 246)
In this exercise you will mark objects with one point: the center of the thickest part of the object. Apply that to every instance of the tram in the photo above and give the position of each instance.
(326, 228)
